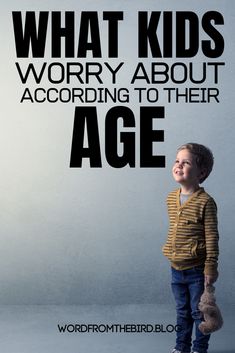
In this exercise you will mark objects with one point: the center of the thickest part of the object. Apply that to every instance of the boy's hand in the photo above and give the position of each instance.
(210, 279)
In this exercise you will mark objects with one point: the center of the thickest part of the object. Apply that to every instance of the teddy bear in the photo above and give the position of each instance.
(213, 320)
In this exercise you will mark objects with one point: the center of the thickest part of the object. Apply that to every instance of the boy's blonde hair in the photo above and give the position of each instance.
(204, 157)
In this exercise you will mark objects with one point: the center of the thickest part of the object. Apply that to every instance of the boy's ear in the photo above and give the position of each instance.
(203, 172)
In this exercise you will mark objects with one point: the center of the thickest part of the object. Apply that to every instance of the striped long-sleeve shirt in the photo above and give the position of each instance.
(193, 233)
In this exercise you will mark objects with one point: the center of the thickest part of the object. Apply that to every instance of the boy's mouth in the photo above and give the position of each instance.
(179, 172)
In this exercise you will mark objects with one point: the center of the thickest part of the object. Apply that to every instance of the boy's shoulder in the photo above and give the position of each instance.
(204, 195)
(172, 195)
(208, 199)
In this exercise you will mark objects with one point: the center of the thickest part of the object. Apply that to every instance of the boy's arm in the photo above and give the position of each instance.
(211, 238)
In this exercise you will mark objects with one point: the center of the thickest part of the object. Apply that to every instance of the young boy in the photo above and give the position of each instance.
(192, 244)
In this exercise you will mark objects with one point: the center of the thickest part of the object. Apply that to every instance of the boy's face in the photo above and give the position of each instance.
(185, 170)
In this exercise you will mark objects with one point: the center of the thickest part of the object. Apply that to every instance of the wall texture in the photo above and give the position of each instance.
(83, 235)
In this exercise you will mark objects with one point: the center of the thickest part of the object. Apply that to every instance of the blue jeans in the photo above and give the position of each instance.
(187, 287)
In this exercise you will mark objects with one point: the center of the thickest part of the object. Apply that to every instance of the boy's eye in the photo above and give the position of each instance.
(183, 162)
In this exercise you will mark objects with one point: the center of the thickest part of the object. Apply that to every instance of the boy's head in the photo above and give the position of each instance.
(203, 158)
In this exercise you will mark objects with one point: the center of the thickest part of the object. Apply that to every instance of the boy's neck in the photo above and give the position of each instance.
(189, 189)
